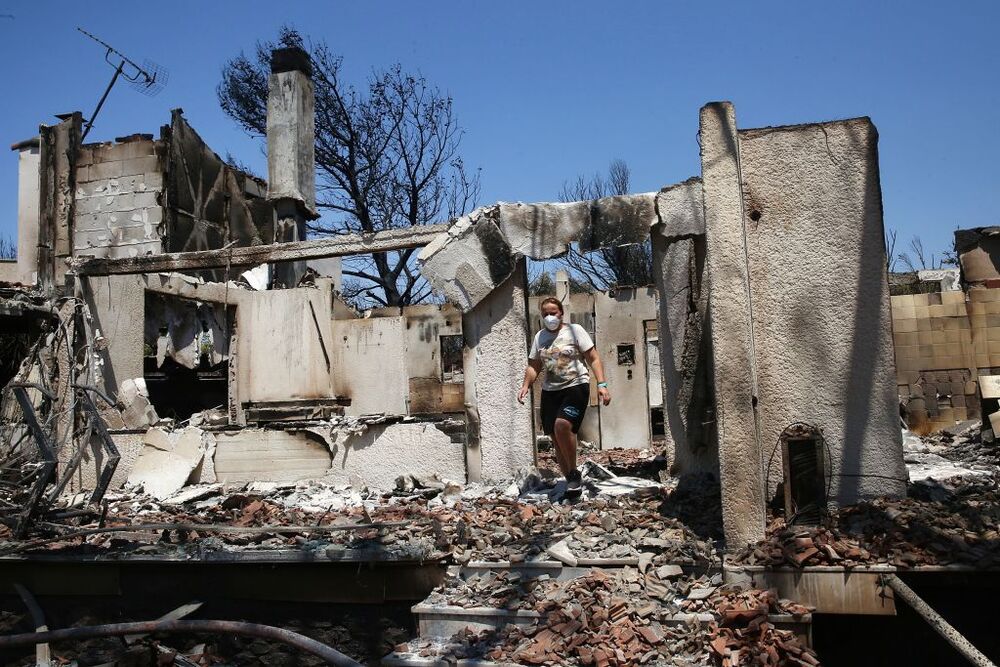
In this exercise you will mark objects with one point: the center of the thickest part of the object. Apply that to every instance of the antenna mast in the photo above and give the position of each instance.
(148, 79)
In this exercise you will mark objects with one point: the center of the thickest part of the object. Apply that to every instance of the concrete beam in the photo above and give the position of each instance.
(338, 246)
(472, 260)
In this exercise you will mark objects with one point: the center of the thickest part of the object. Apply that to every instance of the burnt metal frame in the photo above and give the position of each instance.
(95, 421)
(45, 449)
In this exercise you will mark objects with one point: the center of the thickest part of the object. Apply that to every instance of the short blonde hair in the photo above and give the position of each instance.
(551, 299)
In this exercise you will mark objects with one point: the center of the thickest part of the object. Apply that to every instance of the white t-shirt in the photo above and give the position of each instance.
(561, 352)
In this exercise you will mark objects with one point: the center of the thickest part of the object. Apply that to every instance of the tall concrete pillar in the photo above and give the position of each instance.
(679, 273)
(740, 450)
(501, 431)
(291, 152)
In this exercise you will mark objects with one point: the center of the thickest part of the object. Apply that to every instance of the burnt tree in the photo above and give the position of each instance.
(386, 158)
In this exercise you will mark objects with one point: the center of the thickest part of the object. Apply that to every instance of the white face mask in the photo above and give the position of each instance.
(552, 322)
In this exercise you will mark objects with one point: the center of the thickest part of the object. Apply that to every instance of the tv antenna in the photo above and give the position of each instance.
(148, 79)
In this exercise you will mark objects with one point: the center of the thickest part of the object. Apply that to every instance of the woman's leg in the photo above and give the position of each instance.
(565, 441)
(551, 404)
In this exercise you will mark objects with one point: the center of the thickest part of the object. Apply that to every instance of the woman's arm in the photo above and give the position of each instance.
(530, 373)
(595, 362)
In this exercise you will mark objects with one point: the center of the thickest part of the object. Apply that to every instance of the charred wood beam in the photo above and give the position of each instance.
(337, 246)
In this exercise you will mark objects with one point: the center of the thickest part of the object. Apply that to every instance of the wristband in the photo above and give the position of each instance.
(602, 385)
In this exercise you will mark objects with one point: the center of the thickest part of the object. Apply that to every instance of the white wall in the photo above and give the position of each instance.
(618, 319)
(25, 267)
(369, 361)
(284, 345)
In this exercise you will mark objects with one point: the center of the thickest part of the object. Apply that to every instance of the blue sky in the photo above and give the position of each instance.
(548, 90)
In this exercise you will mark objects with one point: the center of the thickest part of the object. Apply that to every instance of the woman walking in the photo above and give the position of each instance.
(560, 350)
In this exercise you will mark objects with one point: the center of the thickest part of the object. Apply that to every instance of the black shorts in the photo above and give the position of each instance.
(569, 404)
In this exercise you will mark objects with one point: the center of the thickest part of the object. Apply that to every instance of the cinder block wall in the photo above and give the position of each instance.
(119, 199)
(943, 342)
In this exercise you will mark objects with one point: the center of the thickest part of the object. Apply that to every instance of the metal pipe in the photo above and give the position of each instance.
(301, 642)
(936, 621)
(43, 654)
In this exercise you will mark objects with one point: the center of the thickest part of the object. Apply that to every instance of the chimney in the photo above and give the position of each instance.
(291, 156)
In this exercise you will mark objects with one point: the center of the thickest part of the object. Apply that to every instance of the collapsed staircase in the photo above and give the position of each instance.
(438, 623)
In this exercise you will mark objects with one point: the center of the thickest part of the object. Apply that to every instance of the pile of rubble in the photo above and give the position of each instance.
(951, 457)
(619, 529)
(629, 462)
(950, 517)
(626, 617)
(473, 523)
(659, 592)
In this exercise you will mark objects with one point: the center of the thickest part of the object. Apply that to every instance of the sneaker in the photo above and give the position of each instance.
(574, 484)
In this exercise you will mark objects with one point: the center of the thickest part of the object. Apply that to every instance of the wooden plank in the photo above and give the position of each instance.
(337, 246)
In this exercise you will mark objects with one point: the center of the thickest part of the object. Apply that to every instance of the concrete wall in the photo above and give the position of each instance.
(369, 359)
(384, 452)
(618, 318)
(285, 345)
(496, 336)
(24, 268)
(799, 308)
(119, 199)
(272, 456)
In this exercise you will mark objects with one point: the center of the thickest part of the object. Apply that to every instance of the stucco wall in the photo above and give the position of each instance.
(799, 308)
(369, 361)
(618, 320)
(740, 456)
(678, 244)
(820, 298)
(497, 347)
(117, 306)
